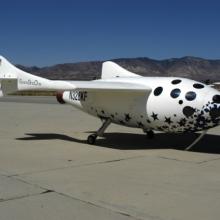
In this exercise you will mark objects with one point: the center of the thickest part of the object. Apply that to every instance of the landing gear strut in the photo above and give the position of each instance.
(92, 138)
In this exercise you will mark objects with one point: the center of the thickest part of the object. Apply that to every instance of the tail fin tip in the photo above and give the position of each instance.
(112, 70)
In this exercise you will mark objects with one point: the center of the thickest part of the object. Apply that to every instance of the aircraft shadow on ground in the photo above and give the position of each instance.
(129, 141)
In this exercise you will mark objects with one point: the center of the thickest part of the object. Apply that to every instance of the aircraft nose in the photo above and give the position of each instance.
(215, 112)
(215, 108)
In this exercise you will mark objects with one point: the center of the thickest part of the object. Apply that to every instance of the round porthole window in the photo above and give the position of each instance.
(176, 81)
(175, 93)
(190, 96)
(198, 86)
(158, 91)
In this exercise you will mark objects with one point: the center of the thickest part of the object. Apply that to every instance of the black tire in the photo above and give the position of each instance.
(150, 134)
(91, 139)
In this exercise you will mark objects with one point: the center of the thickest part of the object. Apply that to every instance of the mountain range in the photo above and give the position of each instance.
(200, 69)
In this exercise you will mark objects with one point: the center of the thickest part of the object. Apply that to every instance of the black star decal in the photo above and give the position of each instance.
(154, 116)
(208, 121)
(182, 122)
(127, 117)
(168, 120)
(140, 124)
(200, 121)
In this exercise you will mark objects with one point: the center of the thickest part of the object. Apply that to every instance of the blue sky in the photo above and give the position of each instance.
(50, 32)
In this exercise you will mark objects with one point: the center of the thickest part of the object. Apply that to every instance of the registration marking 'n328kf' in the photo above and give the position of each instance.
(78, 95)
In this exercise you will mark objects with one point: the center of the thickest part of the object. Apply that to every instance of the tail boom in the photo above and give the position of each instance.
(13, 79)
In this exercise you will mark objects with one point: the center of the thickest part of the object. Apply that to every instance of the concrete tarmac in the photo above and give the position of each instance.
(48, 171)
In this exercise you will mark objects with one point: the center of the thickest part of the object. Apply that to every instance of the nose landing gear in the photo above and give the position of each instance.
(92, 138)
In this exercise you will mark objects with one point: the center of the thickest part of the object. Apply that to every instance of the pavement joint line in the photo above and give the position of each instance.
(46, 191)
(26, 182)
(21, 197)
(99, 206)
(178, 160)
(76, 166)
(24, 196)
(206, 161)
(185, 161)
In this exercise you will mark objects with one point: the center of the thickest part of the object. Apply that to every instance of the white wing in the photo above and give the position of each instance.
(109, 86)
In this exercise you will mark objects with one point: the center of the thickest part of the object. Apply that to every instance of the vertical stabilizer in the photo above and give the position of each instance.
(111, 70)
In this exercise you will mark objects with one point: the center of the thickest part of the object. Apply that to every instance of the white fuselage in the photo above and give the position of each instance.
(174, 105)
(152, 103)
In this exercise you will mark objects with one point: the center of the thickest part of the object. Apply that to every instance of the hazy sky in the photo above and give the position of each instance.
(49, 32)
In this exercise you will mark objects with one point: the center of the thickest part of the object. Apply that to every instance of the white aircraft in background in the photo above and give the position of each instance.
(168, 104)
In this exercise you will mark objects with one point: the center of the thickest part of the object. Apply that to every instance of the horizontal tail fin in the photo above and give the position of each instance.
(112, 70)
(13, 79)
(8, 77)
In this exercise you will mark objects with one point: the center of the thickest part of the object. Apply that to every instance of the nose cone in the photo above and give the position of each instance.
(212, 109)
(215, 112)
(215, 108)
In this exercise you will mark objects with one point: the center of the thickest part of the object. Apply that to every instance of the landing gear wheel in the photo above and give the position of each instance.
(91, 139)
(150, 134)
